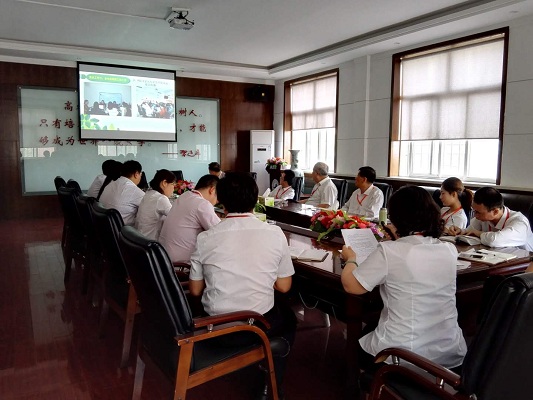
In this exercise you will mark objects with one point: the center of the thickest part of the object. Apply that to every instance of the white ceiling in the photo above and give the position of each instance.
(254, 40)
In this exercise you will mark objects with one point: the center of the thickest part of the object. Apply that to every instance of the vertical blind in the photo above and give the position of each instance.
(452, 94)
(313, 103)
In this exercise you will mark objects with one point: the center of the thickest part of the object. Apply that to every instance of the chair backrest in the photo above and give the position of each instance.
(165, 310)
(107, 224)
(67, 199)
(83, 204)
(297, 185)
(342, 188)
(58, 182)
(178, 174)
(387, 191)
(499, 361)
(74, 185)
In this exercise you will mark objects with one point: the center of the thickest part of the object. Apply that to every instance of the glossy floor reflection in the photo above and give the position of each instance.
(50, 348)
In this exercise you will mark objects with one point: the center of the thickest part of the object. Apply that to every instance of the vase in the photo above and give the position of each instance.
(294, 162)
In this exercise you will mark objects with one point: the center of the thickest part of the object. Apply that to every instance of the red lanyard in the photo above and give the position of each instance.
(504, 222)
(314, 190)
(450, 215)
(360, 201)
(278, 194)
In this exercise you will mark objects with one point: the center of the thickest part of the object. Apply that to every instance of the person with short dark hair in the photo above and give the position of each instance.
(215, 169)
(324, 193)
(94, 189)
(191, 214)
(284, 190)
(495, 224)
(417, 275)
(155, 204)
(123, 194)
(239, 263)
(367, 199)
(457, 201)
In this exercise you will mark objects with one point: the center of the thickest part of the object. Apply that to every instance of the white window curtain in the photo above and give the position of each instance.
(452, 94)
(313, 103)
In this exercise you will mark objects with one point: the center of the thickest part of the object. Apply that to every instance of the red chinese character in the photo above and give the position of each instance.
(43, 122)
(183, 153)
(57, 123)
(82, 141)
(70, 140)
(192, 128)
(57, 140)
(193, 113)
(182, 111)
(69, 123)
(94, 142)
(68, 106)
(202, 128)
(197, 152)
(141, 143)
(43, 140)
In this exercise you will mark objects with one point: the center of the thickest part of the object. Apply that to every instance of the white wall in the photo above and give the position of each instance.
(364, 110)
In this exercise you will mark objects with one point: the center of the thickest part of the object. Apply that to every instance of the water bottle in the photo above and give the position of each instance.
(383, 215)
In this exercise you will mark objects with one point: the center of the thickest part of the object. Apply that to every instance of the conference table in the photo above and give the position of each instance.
(319, 284)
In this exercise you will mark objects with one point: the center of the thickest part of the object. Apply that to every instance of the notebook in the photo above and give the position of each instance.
(470, 240)
(308, 254)
(486, 256)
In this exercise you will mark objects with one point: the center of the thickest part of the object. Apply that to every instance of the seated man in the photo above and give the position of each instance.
(214, 169)
(94, 189)
(239, 263)
(367, 199)
(284, 190)
(324, 194)
(191, 214)
(495, 224)
(123, 194)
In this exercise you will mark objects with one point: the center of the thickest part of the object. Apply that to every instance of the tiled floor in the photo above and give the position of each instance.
(50, 349)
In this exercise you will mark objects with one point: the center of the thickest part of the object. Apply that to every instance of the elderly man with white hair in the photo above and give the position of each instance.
(324, 192)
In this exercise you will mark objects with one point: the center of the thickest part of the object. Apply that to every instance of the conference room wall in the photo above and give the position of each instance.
(364, 108)
(237, 117)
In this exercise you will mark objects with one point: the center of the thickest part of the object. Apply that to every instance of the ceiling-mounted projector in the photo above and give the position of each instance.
(177, 19)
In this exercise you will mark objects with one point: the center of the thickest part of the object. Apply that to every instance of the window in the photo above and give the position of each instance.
(447, 113)
(311, 117)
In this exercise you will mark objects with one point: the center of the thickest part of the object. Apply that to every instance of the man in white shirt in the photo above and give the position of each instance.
(284, 190)
(367, 199)
(123, 194)
(495, 224)
(239, 263)
(324, 193)
(215, 169)
(191, 214)
(94, 189)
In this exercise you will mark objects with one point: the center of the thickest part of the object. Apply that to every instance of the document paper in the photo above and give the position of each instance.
(362, 241)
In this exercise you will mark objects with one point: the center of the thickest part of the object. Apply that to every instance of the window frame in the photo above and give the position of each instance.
(287, 113)
(395, 112)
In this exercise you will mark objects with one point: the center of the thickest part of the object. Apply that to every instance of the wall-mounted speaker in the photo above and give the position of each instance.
(258, 93)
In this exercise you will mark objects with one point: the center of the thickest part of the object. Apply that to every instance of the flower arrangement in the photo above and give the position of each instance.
(327, 221)
(275, 162)
(183, 186)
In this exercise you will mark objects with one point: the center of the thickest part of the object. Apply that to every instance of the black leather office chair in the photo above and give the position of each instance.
(74, 185)
(117, 292)
(297, 185)
(387, 191)
(93, 267)
(59, 182)
(342, 188)
(188, 350)
(178, 174)
(497, 364)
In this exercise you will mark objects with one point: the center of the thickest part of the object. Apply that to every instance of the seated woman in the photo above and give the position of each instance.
(416, 274)
(284, 190)
(155, 204)
(457, 201)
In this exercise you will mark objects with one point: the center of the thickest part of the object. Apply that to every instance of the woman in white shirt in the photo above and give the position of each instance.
(457, 202)
(416, 274)
(155, 204)
(284, 190)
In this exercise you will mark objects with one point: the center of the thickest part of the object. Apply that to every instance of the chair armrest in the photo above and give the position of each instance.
(242, 316)
(434, 369)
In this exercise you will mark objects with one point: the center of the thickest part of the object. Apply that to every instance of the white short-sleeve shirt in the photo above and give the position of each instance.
(280, 192)
(152, 212)
(512, 230)
(240, 259)
(94, 189)
(418, 280)
(365, 204)
(457, 218)
(190, 215)
(324, 192)
(124, 196)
